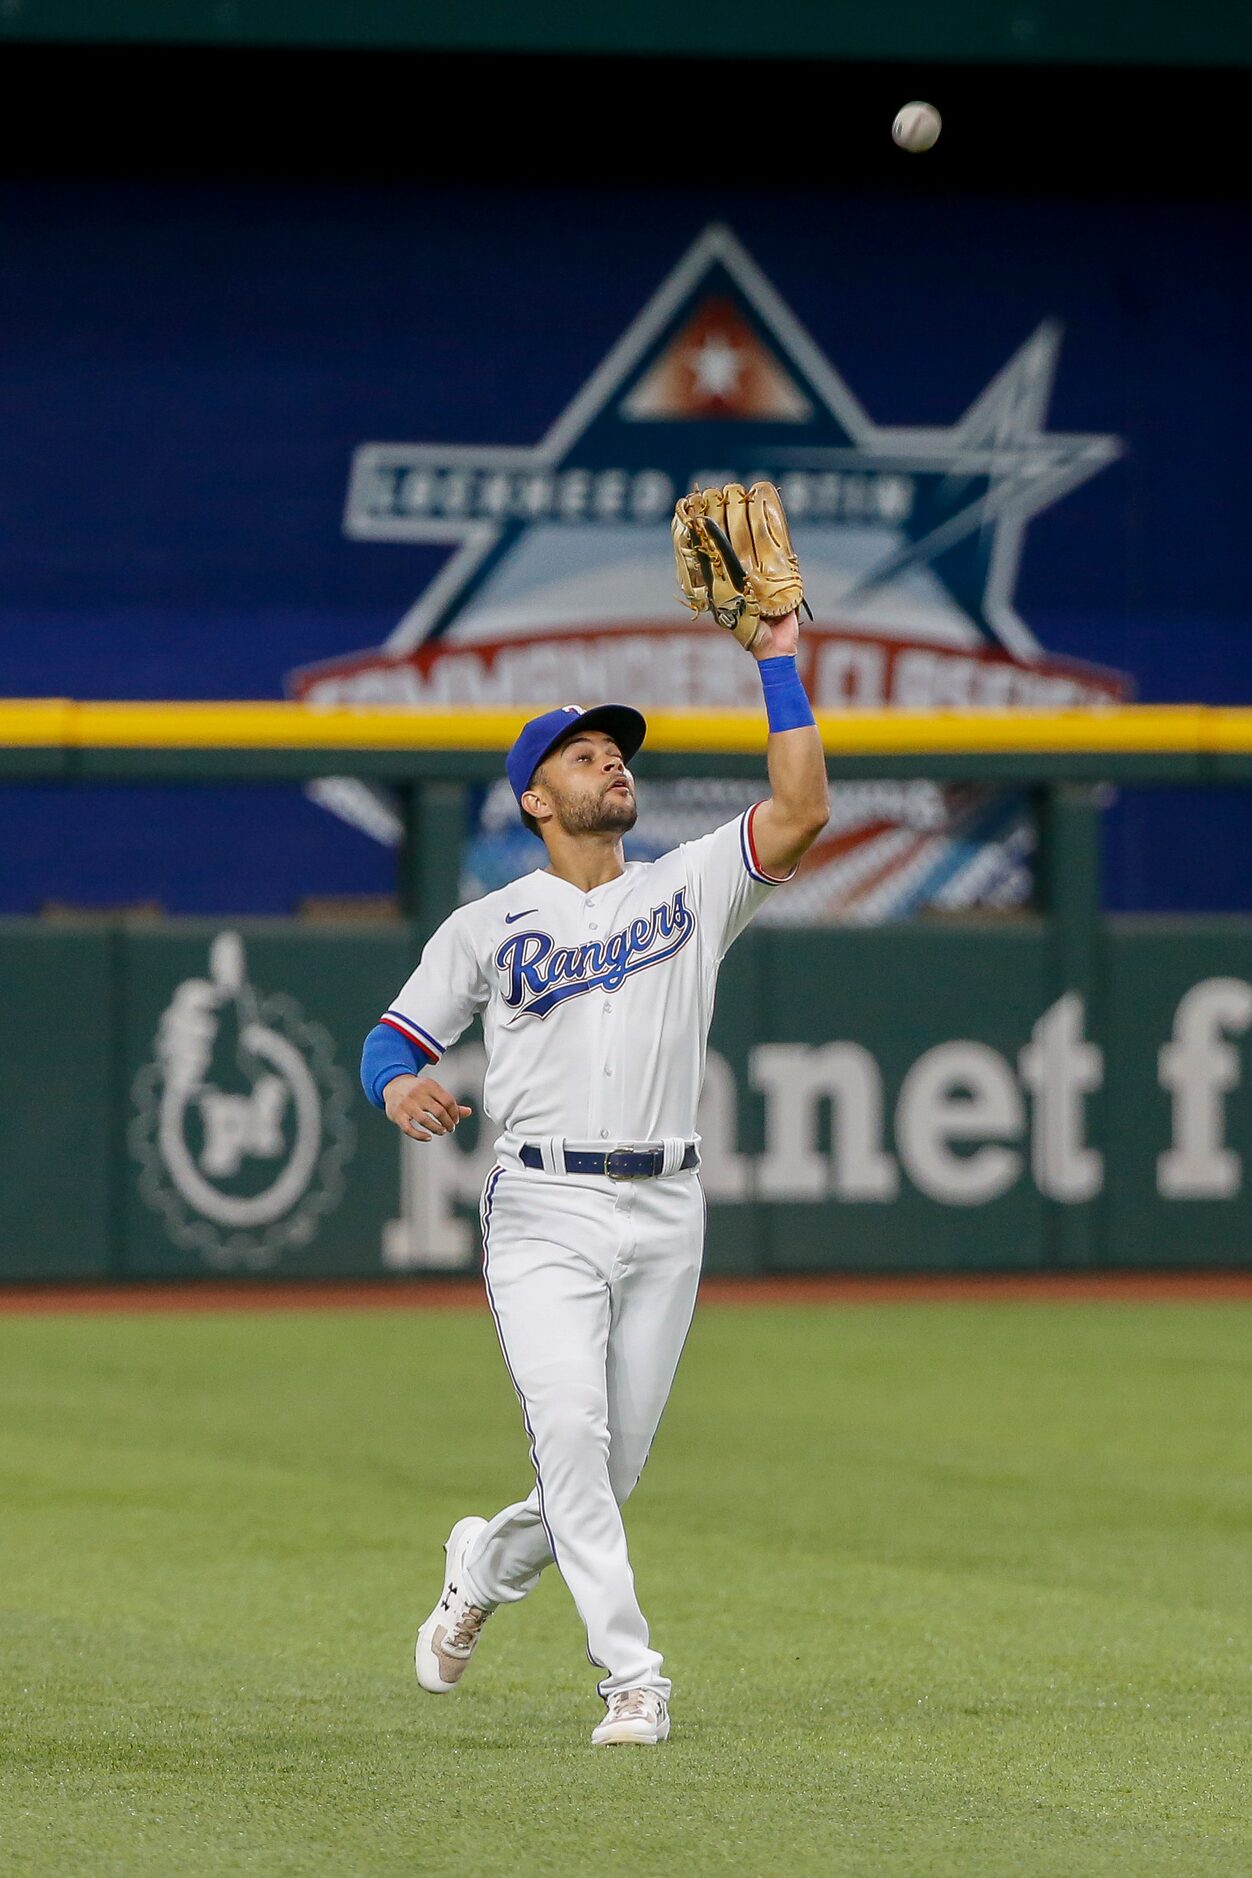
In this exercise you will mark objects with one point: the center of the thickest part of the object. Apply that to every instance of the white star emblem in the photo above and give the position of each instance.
(717, 365)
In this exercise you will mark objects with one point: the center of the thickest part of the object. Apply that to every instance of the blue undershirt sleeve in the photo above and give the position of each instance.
(387, 1054)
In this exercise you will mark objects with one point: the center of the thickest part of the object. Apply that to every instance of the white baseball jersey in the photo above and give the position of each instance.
(596, 1006)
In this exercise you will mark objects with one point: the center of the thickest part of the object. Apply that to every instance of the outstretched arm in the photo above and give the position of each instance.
(734, 559)
(787, 825)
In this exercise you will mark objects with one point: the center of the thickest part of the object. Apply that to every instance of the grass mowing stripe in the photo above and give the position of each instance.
(944, 1589)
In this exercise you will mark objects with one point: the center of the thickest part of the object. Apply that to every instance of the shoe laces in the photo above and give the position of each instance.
(464, 1632)
(634, 1705)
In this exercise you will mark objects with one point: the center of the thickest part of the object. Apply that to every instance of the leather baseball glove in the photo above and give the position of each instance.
(733, 552)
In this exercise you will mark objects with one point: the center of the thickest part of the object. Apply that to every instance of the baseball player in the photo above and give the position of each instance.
(595, 980)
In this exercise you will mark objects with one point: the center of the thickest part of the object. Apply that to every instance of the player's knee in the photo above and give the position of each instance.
(623, 1485)
(570, 1429)
(626, 1462)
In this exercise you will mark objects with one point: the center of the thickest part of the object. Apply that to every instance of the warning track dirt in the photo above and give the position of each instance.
(443, 1294)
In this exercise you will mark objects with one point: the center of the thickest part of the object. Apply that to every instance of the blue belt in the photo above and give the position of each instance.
(616, 1163)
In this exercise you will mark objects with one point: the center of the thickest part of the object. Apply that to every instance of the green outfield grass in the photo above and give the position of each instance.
(943, 1589)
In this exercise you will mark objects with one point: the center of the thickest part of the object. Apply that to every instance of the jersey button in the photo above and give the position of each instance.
(604, 1134)
(591, 926)
(608, 1010)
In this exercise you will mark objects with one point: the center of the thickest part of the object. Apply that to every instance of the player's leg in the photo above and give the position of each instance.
(549, 1252)
(513, 1550)
(511, 1553)
(654, 1296)
(652, 1301)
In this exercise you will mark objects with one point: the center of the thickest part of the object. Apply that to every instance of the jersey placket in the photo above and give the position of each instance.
(605, 1105)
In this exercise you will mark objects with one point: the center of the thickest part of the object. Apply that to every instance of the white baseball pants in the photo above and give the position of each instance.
(592, 1283)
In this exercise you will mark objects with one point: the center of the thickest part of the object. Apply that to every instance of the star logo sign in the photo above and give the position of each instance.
(560, 576)
(909, 532)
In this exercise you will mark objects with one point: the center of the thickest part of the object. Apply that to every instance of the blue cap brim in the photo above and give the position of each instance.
(627, 727)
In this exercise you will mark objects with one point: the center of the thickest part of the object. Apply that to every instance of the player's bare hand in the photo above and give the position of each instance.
(775, 636)
(421, 1108)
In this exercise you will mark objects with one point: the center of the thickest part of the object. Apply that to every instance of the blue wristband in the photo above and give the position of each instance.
(786, 702)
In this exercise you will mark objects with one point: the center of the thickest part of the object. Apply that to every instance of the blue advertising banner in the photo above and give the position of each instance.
(397, 442)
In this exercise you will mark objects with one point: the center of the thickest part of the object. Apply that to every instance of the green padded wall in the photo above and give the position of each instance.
(928, 1097)
(59, 1113)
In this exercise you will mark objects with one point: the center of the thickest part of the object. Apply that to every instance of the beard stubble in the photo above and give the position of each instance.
(604, 815)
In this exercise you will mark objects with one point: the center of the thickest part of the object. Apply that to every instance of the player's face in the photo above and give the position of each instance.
(588, 786)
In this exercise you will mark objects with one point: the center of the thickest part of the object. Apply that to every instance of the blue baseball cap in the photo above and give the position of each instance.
(537, 739)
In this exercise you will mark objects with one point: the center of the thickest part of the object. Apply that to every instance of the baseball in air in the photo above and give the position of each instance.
(917, 126)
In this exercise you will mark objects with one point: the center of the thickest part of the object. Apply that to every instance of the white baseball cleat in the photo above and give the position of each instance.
(638, 1717)
(448, 1638)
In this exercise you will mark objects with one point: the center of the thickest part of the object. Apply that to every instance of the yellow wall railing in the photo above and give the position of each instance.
(33, 723)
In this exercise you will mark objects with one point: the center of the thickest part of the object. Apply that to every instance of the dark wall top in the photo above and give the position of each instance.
(1154, 32)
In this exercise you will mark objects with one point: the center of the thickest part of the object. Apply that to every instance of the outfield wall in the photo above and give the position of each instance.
(920, 1097)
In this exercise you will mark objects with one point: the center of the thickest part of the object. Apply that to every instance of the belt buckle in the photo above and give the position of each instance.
(616, 1154)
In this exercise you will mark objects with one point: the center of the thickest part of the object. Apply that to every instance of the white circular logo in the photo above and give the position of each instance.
(241, 1127)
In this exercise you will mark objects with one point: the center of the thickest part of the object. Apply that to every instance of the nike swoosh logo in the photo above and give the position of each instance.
(510, 917)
